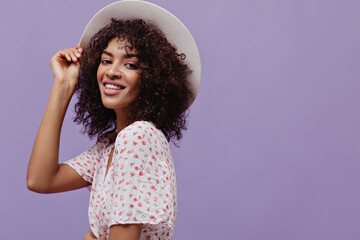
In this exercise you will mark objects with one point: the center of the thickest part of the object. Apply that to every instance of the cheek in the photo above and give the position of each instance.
(135, 79)
(99, 75)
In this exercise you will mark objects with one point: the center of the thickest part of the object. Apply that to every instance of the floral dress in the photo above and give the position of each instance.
(140, 185)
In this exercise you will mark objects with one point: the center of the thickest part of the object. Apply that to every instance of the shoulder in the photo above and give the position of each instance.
(141, 131)
(141, 127)
(145, 125)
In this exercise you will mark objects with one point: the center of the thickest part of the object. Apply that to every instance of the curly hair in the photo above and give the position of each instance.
(164, 89)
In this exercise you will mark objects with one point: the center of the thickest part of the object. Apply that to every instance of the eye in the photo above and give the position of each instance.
(105, 62)
(131, 65)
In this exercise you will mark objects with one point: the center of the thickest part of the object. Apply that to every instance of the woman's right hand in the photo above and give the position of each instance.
(65, 65)
(45, 174)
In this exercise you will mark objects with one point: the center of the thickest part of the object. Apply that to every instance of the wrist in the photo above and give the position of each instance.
(61, 95)
(64, 87)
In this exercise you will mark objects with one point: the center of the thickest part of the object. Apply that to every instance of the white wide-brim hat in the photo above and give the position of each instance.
(174, 30)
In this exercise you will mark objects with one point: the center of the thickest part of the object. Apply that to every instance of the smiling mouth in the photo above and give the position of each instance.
(113, 87)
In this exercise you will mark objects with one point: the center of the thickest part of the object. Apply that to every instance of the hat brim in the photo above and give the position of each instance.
(174, 30)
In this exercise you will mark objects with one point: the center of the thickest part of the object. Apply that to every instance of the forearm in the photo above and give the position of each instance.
(125, 231)
(43, 163)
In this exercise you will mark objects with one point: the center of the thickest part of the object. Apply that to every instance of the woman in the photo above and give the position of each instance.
(133, 91)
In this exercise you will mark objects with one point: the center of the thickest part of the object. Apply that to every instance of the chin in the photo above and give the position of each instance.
(113, 105)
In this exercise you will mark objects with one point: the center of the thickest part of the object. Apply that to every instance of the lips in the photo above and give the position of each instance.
(112, 84)
(112, 87)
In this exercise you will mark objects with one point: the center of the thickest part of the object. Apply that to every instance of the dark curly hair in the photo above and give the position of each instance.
(164, 89)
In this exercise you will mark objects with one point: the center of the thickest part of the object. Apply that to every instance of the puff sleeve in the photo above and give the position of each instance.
(142, 185)
(85, 163)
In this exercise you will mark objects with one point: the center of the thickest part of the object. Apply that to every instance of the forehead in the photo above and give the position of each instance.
(120, 44)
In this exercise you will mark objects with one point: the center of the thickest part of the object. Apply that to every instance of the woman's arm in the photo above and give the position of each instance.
(120, 231)
(89, 236)
(45, 175)
(125, 231)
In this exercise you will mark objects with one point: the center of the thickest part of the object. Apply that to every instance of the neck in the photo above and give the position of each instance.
(120, 120)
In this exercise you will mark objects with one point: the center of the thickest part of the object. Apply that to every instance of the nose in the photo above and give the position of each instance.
(113, 72)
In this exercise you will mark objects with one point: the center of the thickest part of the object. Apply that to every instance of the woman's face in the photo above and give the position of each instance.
(117, 75)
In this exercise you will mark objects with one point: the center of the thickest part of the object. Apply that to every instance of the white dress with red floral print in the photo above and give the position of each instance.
(140, 186)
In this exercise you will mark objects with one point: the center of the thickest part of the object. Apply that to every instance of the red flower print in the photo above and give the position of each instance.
(129, 196)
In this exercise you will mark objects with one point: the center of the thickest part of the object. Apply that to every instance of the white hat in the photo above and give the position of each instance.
(174, 30)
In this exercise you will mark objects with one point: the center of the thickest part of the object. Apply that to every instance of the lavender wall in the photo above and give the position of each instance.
(272, 150)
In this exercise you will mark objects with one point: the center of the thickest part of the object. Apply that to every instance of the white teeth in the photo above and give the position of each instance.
(111, 86)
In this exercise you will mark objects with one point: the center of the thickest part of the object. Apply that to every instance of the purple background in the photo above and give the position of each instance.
(272, 150)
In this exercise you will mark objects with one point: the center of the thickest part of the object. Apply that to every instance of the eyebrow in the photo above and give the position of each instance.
(126, 56)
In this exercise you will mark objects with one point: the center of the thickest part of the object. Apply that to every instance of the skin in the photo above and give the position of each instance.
(118, 66)
(45, 174)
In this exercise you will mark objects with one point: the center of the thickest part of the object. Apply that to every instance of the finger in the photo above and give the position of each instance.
(71, 53)
(75, 53)
(65, 54)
